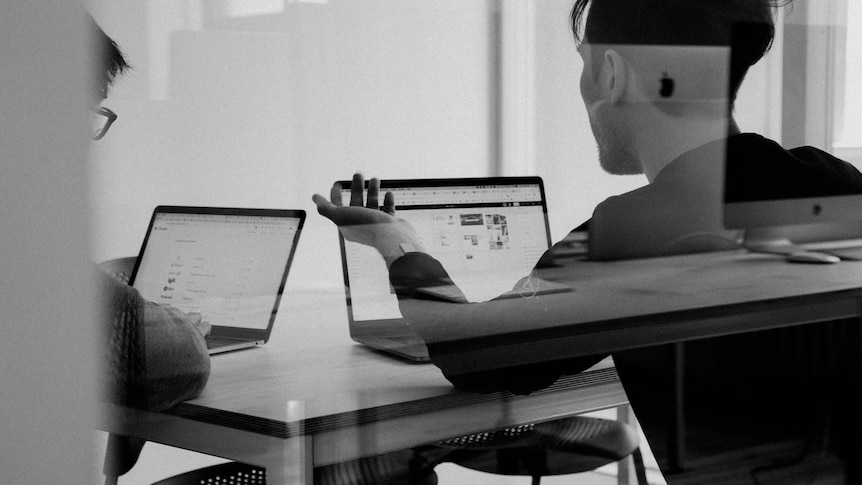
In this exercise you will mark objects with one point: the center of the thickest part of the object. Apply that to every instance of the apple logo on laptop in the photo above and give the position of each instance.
(667, 86)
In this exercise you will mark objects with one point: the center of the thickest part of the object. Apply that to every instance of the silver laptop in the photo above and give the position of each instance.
(487, 232)
(228, 264)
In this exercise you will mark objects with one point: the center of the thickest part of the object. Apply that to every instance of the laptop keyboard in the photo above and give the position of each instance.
(215, 342)
(407, 340)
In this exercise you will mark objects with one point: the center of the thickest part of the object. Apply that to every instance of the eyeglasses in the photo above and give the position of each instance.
(102, 118)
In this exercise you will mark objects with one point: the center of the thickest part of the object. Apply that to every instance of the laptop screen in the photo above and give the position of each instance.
(229, 267)
(487, 233)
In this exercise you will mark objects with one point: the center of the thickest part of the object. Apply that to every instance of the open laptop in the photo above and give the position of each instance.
(487, 232)
(228, 264)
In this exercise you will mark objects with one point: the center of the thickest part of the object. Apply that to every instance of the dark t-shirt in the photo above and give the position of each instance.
(760, 169)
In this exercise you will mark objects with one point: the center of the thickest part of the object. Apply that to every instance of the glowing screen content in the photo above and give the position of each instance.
(487, 237)
(228, 268)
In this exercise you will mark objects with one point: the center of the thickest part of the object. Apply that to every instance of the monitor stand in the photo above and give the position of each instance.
(769, 240)
(780, 241)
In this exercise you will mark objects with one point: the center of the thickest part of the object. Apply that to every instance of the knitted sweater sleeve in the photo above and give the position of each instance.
(154, 356)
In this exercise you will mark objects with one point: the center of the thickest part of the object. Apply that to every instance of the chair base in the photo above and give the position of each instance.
(561, 447)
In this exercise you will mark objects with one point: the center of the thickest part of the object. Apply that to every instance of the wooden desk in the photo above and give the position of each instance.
(311, 397)
(640, 303)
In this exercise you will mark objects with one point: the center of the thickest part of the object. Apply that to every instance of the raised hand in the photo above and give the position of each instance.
(363, 221)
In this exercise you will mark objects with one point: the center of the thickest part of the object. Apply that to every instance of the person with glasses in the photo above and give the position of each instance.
(155, 355)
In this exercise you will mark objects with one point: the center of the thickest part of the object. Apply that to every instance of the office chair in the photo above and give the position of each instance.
(119, 268)
(231, 473)
(392, 468)
(121, 454)
(561, 447)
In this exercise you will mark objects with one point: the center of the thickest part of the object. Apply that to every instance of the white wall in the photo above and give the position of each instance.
(46, 318)
(265, 111)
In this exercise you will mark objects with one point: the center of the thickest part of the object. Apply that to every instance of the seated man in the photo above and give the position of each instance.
(155, 356)
(680, 148)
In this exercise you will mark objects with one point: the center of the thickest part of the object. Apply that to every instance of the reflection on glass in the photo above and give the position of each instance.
(282, 102)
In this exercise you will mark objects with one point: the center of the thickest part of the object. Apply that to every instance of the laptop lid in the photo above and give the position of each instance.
(487, 232)
(228, 264)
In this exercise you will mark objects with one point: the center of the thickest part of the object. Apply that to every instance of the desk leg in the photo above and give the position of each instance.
(297, 463)
(627, 471)
(676, 440)
(307, 475)
(289, 462)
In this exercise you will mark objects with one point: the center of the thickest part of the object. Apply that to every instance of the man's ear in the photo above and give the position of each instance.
(616, 80)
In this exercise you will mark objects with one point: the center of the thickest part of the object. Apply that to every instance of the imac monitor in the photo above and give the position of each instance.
(794, 209)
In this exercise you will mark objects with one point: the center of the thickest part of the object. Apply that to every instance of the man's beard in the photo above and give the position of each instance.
(615, 157)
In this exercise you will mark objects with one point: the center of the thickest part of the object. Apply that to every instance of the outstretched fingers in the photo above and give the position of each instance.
(324, 207)
(389, 203)
(373, 191)
(356, 189)
(335, 194)
(334, 208)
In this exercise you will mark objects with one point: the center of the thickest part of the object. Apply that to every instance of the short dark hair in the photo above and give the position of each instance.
(683, 22)
(110, 62)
